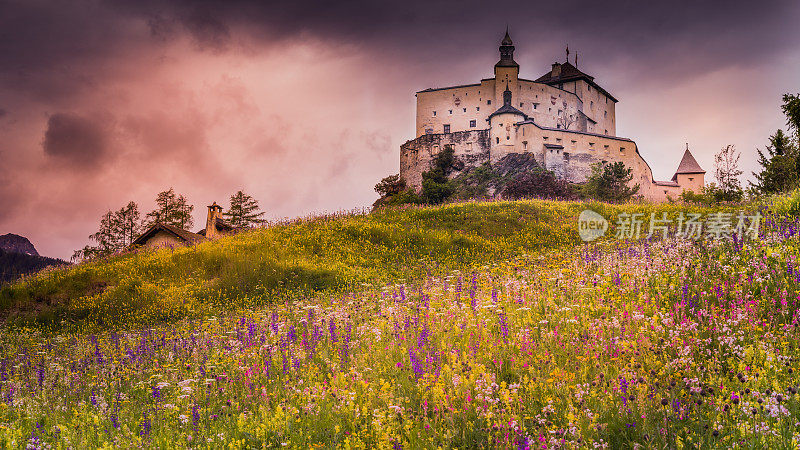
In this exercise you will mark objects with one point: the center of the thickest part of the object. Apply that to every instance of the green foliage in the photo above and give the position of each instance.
(791, 108)
(171, 209)
(609, 183)
(780, 166)
(14, 265)
(391, 185)
(436, 187)
(117, 232)
(243, 211)
(727, 172)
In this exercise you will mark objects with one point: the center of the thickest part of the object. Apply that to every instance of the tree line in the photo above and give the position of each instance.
(119, 229)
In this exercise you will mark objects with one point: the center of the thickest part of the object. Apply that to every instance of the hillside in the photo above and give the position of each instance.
(325, 256)
(14, 265)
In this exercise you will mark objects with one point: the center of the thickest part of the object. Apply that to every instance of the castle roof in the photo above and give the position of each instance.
(507, 109)
(688, 165)
(571, 73)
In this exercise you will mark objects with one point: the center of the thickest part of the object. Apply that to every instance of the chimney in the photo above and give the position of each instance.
(214, 211)
(556, 72)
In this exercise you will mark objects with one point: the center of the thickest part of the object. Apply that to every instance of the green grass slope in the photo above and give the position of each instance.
(319, 257)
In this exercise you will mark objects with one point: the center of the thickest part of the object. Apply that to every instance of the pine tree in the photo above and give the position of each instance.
(779, 165)
(243, 211)
(171, 209)
(609, 183)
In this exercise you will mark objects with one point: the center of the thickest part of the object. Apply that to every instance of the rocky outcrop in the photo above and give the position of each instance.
(14, 243)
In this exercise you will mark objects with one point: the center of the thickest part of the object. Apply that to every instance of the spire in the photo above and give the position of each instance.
(507, 40)
(567, 52)
(507, 96)
(507, 52)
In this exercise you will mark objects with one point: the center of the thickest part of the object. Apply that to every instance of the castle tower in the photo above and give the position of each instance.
(506, 71)
(502, 131)
(689, 175)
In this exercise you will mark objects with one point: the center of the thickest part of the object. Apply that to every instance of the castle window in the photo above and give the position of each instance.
(605, 113)
(590, 88)
(451, 111)
(488, 102)
(472, 124)
(498, 140)
(573, 142)
(605, 146)
(465, 109)
(525, 147)
(434, 114)
(508, 138)
(521, 104)
(591, 144)
(446, 128)
(558, 140)
(477, 108)
(535, 105)
(544, 138)
(566, 156)
(558, 126)
(606, 131)
(591, 104)
(691, 179)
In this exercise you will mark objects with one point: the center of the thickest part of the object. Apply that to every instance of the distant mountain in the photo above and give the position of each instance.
(19, 257)
(14, 243)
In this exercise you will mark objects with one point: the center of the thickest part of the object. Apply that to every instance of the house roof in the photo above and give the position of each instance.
(186, 236)
(687, 165)
(571, 73)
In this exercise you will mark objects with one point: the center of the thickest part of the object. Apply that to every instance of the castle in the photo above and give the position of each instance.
(563, 117)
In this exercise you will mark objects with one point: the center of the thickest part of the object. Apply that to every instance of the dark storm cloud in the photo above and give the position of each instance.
(51, 51)
(75, 141)
(718, 33)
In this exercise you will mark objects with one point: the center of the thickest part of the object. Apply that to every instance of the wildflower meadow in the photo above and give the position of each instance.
(508, 342)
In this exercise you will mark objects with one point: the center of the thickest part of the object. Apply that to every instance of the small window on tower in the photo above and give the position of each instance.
(521, 104)
(472, 124)
(498, 140)
(535, 105)
(434, 114)
(465, 109)
(508, 138)
(477, 108)
(488, 102)
(451, 111)
(447, 129)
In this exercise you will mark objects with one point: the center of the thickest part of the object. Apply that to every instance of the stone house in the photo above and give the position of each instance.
(162, 235)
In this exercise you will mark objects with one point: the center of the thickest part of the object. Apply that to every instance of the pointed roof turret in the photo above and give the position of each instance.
(507, 40)
(507, 52)
(507, 108)
(688, 165)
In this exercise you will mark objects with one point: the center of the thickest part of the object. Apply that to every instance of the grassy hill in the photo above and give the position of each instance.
(323, 256)
(539, 341)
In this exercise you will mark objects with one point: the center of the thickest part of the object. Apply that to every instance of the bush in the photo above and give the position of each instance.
(609, 183)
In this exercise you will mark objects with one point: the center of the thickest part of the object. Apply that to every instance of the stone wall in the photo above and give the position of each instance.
(470, 147)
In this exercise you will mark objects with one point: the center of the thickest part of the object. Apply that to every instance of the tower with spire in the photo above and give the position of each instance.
(506, 71)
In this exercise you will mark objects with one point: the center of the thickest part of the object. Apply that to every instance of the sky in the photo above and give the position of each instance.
(304, 105)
